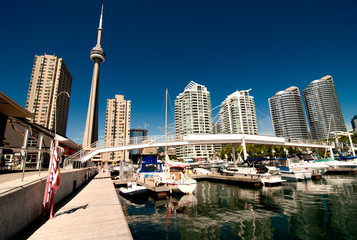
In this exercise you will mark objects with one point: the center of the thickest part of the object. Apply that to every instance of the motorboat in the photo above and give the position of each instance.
(317, 169)
(336, 166)
(114, 172)
(217, 163)
(239, 171)
(150, 167)
(192, 164)
(201, 171)
(294, 175)
(272, 176)
(133, 189)
(269, 175)
(204, 164)
(294, 169)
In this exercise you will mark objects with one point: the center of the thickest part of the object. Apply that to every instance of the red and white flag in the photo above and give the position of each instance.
(53, 179)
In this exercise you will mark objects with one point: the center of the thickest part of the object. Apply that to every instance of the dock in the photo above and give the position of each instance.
(122, 182)
(251, 181)
(157, 191)
(94, 213)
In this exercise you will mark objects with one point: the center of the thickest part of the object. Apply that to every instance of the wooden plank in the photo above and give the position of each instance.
(95, 213)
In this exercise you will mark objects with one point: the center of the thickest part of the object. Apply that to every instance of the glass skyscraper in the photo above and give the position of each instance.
(354, 123)
(321, 104)
(287, 114)
(137, 135)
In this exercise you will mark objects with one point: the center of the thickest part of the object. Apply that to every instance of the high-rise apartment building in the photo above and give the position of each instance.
(117, 127)
(287, 114)
(321, 104)
(238, 114)
(354, 123)
(193, 116)
(50, 77)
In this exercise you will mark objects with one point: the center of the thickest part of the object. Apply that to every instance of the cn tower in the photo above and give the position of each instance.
(98, 56)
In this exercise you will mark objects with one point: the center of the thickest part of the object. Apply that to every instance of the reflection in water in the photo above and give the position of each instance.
(323, 209)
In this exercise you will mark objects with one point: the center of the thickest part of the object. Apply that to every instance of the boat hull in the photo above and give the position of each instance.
(187, 188)
(271, 180)
(133, 191)
(292, 176)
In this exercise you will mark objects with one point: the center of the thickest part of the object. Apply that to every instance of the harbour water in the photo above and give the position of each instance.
(321, 209)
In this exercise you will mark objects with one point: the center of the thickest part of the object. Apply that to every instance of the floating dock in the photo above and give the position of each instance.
(249, 180)
(158, 191)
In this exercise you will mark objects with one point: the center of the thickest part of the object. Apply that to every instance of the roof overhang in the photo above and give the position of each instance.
(10, 108)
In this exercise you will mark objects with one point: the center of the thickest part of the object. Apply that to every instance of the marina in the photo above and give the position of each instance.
(318, 209)
(220, 207)
(234, 161)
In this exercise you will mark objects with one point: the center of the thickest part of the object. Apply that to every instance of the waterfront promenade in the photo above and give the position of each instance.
(94, 213)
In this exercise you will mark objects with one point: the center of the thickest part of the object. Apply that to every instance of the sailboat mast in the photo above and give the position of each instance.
(166, 123)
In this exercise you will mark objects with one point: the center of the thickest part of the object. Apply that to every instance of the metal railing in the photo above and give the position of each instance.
(74, 161)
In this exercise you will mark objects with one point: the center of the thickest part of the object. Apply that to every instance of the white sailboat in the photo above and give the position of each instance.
(175, 175)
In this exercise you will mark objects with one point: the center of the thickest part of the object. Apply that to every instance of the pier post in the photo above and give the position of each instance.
(331, 153)
(351, 143)
(244, 148)
(24, 152)
(39, 155)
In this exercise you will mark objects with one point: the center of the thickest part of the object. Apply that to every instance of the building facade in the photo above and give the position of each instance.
(238, 114)
(193, 116)
(354, 123)
(49, 78)
(117, 128)
(287, 114)
(137, 135)
(323, 108)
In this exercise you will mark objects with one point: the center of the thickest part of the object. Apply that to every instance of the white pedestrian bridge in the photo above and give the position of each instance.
(186, 140)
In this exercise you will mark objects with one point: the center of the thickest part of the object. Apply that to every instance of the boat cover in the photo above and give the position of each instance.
(174, 164)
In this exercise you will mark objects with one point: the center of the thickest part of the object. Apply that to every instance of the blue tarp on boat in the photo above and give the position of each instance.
(150, 165)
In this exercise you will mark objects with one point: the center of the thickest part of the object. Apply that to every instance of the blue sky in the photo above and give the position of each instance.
(152, 45)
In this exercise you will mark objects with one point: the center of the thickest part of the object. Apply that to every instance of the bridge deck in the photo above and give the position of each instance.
(95, 213)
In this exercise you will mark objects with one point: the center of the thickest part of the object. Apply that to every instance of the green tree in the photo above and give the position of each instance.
(226, 152)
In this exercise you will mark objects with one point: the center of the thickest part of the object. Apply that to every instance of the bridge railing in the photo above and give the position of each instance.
(74, 161)
(314, 142)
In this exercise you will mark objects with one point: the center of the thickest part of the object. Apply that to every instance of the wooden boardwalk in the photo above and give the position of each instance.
(94, 213)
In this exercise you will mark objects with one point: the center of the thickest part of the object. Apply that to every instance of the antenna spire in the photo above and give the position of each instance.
(98, 56)
(101, 19)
